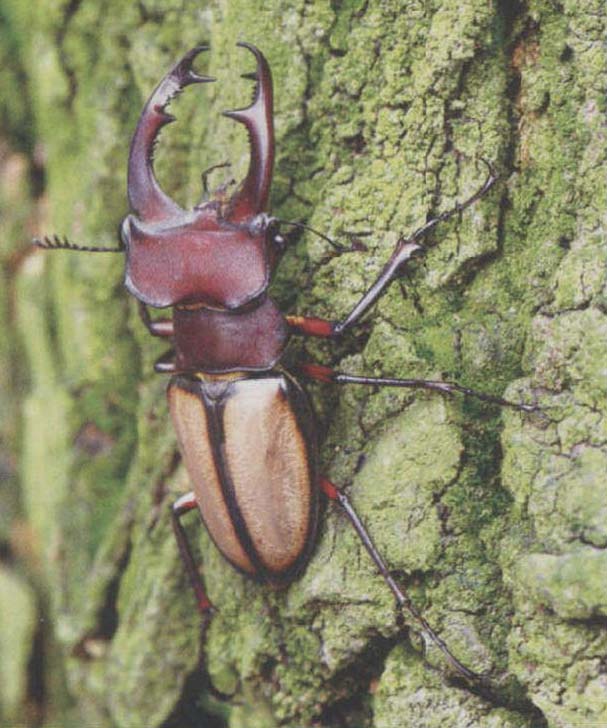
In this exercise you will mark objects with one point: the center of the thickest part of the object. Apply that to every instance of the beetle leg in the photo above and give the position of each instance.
(146, 197)
(165, 364)
(156, 327)
(328, 375)
(311, 326)
(405, 249)
(403, 601)
(403, 252)
(184, 505)
(252, 196)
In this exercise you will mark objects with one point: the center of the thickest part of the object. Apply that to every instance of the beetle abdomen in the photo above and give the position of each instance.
(249, 448)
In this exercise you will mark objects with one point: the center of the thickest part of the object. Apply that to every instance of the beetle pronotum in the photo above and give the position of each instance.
(230, 400)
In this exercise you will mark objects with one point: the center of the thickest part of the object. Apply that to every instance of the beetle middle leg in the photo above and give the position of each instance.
(331, 376)
(403, 601)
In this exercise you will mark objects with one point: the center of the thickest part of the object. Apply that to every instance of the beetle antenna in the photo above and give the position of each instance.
(337, 246)
(57, 243)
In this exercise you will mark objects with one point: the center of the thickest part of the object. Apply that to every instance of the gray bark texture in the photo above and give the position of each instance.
(495, 521)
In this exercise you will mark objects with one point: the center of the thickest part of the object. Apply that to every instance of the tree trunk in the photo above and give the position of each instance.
(493, 520)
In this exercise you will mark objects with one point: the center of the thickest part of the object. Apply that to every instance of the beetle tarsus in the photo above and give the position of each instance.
(459, 207)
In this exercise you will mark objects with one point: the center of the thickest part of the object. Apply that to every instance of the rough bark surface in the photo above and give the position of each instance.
(494, 521)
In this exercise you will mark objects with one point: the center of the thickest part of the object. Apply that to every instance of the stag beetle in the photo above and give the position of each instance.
(244, 424)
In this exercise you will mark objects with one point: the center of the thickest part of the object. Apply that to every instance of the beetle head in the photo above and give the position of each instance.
(221, 252)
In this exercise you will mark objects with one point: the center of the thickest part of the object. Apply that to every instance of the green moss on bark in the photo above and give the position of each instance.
(383, 113)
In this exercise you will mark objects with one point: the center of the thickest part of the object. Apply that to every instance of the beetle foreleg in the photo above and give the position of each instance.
(157, 327)
(311, 326)
(406, 248)
(402, 600)
(328, 375)
(184, 505)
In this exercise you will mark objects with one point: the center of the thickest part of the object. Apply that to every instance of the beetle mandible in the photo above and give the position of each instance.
(230, 400)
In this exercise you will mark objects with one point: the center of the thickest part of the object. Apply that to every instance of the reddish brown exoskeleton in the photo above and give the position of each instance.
(244, 425)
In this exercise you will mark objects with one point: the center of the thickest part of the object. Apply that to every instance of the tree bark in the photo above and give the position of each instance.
(493, 520)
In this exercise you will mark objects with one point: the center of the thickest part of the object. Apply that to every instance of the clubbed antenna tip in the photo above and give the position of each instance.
(55, 242)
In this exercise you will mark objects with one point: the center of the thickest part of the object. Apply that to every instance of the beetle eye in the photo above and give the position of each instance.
(259, 224)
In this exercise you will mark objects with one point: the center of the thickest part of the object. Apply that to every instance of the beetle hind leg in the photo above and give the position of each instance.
(402, 599)
(184, 505)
